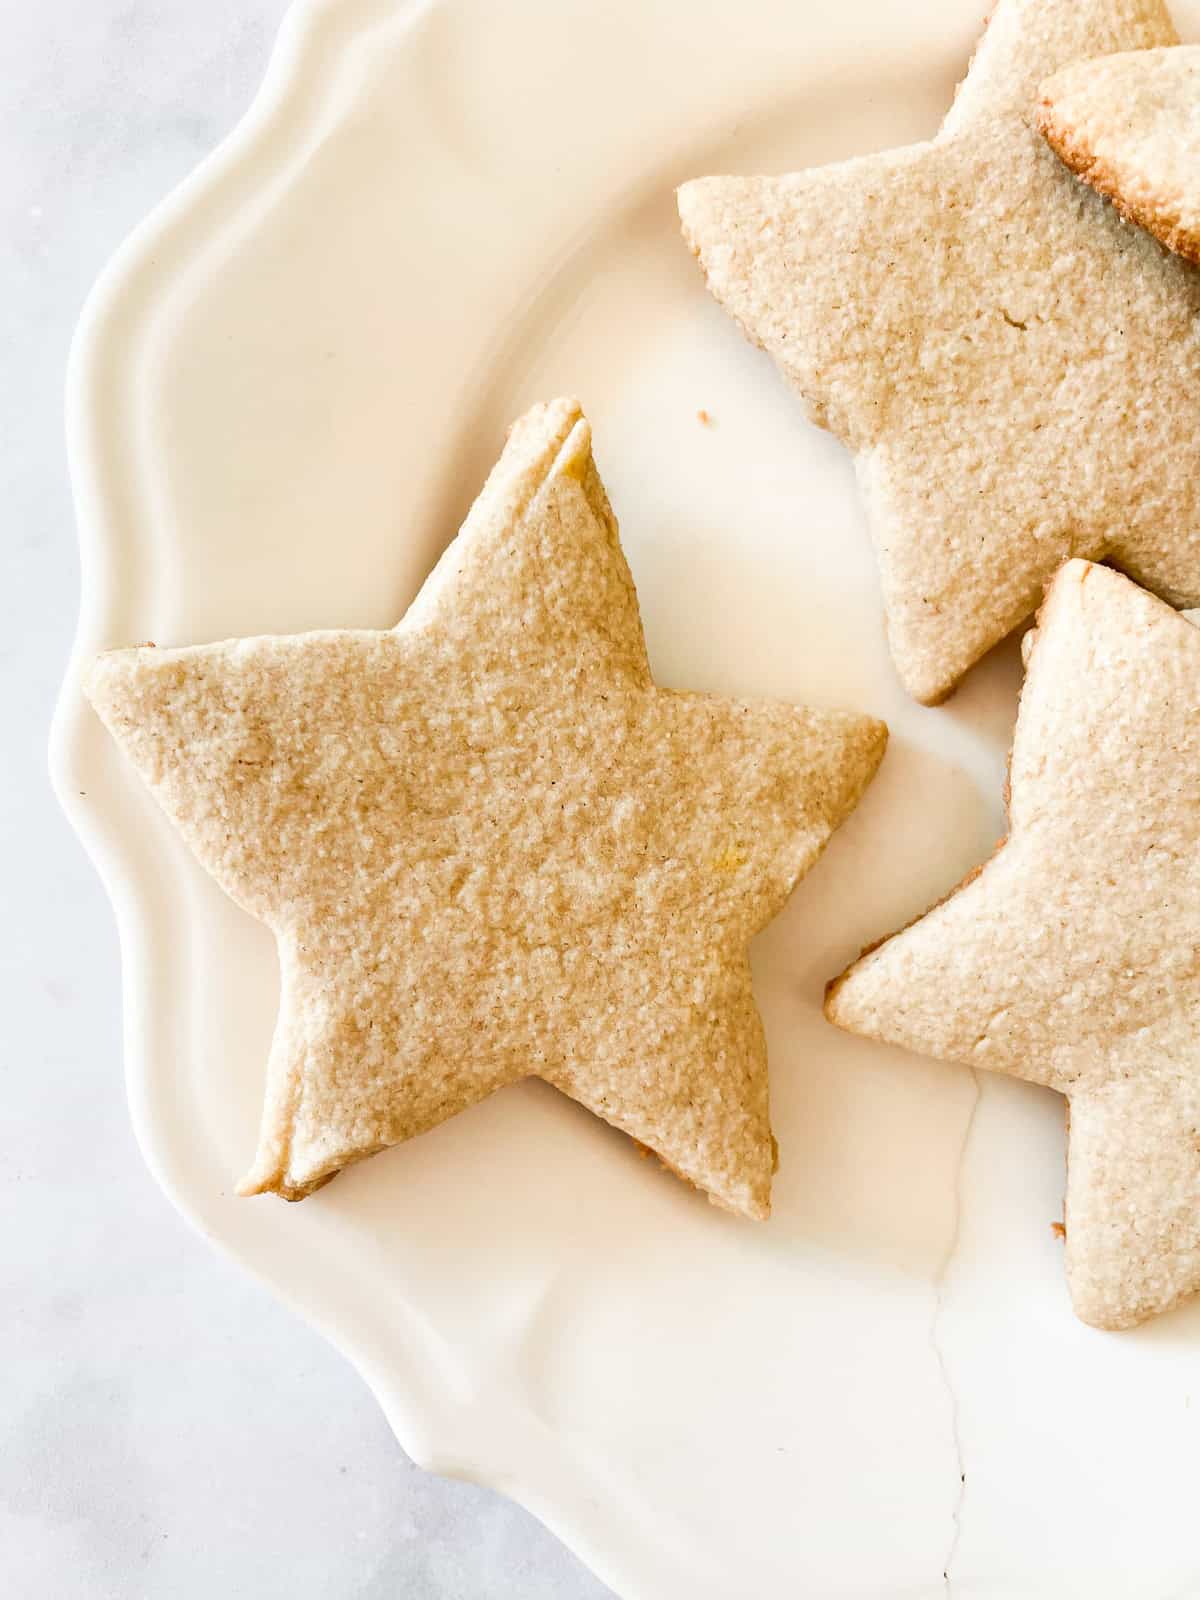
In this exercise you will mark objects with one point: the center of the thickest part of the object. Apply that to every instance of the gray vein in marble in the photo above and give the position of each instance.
(938, 1347)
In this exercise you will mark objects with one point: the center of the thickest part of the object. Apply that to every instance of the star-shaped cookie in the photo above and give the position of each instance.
(1016, 371)
(1130, 126)
(1072, 958)
(491, 848)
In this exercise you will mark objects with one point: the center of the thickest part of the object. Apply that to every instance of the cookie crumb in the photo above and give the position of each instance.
(705, 419)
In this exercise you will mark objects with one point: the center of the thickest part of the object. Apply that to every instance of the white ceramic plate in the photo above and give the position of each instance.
(284, 394)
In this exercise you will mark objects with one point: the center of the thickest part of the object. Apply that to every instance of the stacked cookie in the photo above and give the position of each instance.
(490, 847)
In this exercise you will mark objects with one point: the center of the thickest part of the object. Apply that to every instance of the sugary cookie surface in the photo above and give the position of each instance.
(489, 847)
(1129, 125)
(1072, 959)
(1015, 369)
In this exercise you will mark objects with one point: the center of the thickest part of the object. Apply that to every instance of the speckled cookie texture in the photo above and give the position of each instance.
(1015, 369)
(1129, 125)
(490, 847)
(1073, 958)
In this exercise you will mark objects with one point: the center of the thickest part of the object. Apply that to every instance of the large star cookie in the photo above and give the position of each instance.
(1072, 958)
(1016, 371)
(1130, 126)
(489, 847)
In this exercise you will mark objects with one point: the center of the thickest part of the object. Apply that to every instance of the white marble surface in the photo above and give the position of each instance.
(168, 1429)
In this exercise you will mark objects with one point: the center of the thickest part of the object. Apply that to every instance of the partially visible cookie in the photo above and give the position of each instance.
(490, 848)
(1129, 125)
(1072, 958)
(1016, 371)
